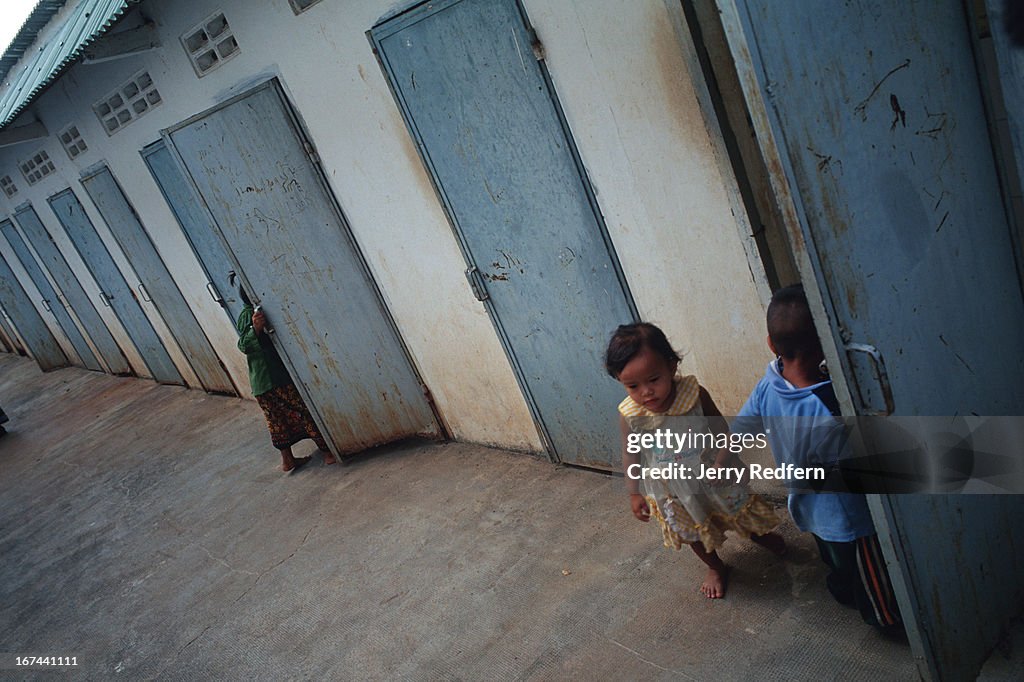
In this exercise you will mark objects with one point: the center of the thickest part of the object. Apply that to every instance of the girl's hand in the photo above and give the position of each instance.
(259, 322)
(640, 509)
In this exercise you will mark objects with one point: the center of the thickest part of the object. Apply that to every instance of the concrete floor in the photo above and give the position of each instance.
(145, 530)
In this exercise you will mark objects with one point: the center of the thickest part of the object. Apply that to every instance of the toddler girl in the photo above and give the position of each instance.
(691, 511)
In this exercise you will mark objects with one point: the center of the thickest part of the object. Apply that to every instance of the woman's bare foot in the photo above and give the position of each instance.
(714, 583)
(328, 457)
(296, 464)
(772, 542)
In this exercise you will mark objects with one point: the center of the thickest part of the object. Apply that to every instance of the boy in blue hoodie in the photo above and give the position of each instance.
(796, 407)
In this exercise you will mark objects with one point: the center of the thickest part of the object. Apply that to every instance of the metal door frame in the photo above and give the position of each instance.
(117, 269)
(93, 171)
(276, 84)
(92, 333)
(58, 295)
(395, 22)
(17, 287)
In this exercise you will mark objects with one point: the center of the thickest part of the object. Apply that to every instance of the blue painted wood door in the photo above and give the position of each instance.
(887, 151)
(115, 290)
(52, 300)
(156, 280)
(37, 336)
(490, 132)
(80, 302)
(195, 222)
(249, 162)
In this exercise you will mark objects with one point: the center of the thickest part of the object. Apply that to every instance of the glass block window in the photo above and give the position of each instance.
(209, 44)
(8, 186)
(299, 6)
(72, 141)
(127, 103)
(36, 167)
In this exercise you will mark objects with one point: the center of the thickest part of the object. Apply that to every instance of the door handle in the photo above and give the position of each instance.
(869, 379)
(476, 283)
(145, 294)
(214, 294)
(105, 298)
(46, 304)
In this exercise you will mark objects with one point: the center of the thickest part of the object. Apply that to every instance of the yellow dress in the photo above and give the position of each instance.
(690, 510)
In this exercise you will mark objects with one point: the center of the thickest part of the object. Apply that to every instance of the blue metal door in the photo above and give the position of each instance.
(886, 149)
(249, 161)
(74, 294)
(37, 336)
(156, 281)
(115, 291)
(51, 299)
(468, 78)
(195, 222)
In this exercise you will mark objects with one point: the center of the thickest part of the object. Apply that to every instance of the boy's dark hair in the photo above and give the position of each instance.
(790, 325)
(629, 339)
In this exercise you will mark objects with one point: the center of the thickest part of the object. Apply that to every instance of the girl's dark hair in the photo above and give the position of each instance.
(629, 339)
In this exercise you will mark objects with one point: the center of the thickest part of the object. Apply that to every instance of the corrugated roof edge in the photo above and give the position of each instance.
(113, 15)
(36, 21)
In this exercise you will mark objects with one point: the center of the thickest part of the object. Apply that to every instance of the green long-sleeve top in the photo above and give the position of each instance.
(266, 370)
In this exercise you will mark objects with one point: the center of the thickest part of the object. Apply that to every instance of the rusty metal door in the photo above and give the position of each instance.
(114, 291)
(52, 300)
(156, 280)
(253, 167)
(885, 147)
(74, 294)
(33, 330)
(469, 78)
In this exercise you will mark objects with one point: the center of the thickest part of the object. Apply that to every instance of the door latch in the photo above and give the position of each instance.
(873, 390)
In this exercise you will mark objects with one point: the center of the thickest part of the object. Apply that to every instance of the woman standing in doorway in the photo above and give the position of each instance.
(287, 416)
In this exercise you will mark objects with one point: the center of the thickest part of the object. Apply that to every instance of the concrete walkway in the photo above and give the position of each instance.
(144, 530)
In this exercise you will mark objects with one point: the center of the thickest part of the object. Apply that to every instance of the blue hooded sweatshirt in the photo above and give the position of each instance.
(802, 430)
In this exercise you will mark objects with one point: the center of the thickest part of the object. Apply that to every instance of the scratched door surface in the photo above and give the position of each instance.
(52, 300)
(489, 130)
(80, 302)
(156, 280)
(887, 150)
(195, 222)
(249, 162)
(34, 332)
(115, 290)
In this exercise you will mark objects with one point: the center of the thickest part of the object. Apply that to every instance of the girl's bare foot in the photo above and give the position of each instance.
(772, 542)
(328, 457)
(714, 583)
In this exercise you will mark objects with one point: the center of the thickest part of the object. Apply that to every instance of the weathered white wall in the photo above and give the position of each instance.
(622, 82)
(628, 97)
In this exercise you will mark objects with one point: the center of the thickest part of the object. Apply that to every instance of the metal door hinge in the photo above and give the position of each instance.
(476, 283)
(538, 47)
(311, 152)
